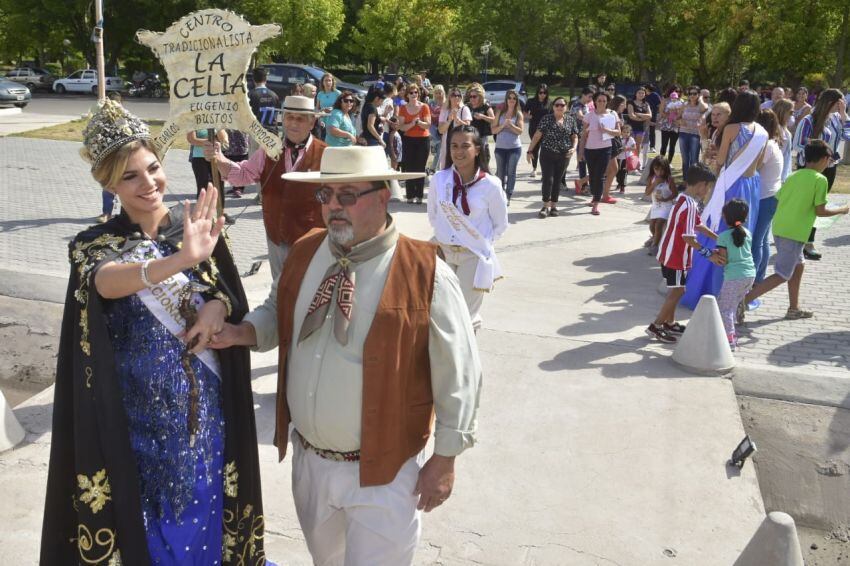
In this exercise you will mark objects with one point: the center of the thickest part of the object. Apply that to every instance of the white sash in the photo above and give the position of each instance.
(488, 270)
(163, 300)
(729, 174)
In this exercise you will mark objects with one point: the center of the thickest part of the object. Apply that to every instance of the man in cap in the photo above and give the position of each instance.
(290, 209)
(374, 339)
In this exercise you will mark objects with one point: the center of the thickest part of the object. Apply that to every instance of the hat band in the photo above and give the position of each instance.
(293, 109)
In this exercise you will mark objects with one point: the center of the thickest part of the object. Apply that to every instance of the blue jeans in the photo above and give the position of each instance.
(689, 147)
(506, 161)
(761, 242)
(436, 145)
(108, 202)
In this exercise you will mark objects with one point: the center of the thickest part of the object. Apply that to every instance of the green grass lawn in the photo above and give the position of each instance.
(73, 131)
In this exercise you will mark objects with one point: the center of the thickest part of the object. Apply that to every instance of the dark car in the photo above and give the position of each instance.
(14, 93)
(283, 76)
(33, 77)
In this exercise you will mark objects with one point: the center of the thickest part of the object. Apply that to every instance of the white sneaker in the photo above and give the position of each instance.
(533, 174)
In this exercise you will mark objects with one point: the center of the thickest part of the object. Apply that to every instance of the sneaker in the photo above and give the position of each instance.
(410, 201)
(812, 254)
(754, 304)
(417, 200)
(675, 328)
(660, 334)
(653, 251)
(733, 341)
(796, 314)
(509, 202)
(542, 213)
(553, 211)
(533, 174)
(648, 243)
(594, 211)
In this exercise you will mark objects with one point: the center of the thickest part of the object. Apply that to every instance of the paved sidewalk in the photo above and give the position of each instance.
(594, 449)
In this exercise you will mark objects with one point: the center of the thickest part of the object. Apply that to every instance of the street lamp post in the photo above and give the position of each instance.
(97, 38)
(66, 43)
(485, 50)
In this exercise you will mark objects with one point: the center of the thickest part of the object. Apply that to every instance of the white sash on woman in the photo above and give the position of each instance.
(731, 173)
(163, 300)
(488, 270)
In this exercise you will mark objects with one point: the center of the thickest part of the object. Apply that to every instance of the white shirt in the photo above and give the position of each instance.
(771, 170)
(325, 379)
(488, 210)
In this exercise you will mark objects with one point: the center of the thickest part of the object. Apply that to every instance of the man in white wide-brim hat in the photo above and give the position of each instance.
(375, 338)
(290, 209)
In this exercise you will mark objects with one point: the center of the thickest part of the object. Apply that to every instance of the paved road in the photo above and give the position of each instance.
(78, 104)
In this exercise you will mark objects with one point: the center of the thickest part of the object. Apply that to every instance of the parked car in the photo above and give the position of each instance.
(283, 76)
(85, 81)
(34, 78)
(495, 91)
(388, 77)
(14, 93)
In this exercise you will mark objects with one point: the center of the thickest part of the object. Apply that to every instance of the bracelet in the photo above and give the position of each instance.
(145, 279)
(705, 252)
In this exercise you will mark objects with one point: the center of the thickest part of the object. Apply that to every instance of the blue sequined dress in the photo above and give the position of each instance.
(706, 278)
(181, 487)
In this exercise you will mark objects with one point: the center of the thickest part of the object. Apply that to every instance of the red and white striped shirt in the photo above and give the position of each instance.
(673, 251)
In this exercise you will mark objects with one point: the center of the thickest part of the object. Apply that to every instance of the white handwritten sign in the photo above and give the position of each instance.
(206, 55)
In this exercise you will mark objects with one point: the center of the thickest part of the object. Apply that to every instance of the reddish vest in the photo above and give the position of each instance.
(398, 406)
(290, 209)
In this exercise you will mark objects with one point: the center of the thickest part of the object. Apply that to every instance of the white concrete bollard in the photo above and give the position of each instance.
(774, 544)
(11, 431)
(704, 348)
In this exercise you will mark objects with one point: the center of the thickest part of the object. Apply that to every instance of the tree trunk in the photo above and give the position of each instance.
(519, 74)
(838, 79)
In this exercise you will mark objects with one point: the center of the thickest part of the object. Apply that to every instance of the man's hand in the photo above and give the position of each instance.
(242, 334)
(210, 320)
(436, 479)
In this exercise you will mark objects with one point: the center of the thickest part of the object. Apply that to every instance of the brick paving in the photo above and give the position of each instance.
(47, 195)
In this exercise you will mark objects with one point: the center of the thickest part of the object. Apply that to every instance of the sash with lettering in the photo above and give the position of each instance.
(729, 174)
(163, 299)
(488, 270)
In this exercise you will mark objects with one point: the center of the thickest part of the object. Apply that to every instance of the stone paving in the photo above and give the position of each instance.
(47, 196)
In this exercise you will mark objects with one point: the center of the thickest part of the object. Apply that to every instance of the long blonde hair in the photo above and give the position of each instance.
(783, 109)
(112, 167)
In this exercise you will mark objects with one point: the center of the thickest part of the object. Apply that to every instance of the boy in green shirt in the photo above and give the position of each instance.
(801, 199)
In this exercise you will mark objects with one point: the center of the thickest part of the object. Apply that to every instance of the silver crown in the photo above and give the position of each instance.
(111, 127)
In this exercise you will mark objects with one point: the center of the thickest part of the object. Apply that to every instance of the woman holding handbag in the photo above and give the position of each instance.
(556, 135)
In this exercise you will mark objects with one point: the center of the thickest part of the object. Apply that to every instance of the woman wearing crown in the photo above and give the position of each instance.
(153, 452)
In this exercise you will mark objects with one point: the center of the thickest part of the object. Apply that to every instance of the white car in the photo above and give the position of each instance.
(495, 92)
(85, 81)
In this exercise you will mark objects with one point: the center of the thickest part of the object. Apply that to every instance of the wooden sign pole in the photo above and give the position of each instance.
(216, 176)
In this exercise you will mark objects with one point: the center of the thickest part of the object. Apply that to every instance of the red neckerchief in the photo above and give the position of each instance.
(460, 188)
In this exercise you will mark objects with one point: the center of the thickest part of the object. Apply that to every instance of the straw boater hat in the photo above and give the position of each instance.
(352, 164)
(300, 105)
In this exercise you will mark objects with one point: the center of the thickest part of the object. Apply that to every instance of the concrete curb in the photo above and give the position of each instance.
(787, 385)
(10, 111)
(33, 287)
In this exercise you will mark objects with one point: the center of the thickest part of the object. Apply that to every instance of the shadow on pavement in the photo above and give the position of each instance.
(810, 349)
(597, 356)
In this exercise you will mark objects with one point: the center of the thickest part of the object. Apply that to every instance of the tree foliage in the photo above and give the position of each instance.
(709, 42)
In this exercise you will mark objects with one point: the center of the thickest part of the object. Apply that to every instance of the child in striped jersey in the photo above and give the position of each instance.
(675, 251)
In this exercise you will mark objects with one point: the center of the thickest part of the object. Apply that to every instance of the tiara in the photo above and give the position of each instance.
(111, 127)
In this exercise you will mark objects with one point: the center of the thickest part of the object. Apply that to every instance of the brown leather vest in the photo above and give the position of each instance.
(290, 209)
(397, 404)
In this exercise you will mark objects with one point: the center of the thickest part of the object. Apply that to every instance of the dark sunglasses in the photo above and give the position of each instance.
(455, 94)
(326, 194)
(542, 92)
(347, 101)
(559, 104)
(693, 93)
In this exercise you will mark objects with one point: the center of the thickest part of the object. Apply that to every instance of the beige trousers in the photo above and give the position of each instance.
(348, 525)
(463, 262)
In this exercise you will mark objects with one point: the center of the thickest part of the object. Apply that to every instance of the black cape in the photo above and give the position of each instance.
(93, 512)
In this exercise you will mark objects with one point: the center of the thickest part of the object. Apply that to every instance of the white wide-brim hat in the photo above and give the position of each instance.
(294, 104)
(352, 164)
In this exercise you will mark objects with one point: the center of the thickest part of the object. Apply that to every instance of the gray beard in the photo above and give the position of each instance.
(341, 236)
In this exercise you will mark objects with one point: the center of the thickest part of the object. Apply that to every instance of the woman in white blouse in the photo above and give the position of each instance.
(468, 210)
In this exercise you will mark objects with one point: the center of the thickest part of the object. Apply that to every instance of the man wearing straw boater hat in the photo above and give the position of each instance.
(375, 340)
(290, 209)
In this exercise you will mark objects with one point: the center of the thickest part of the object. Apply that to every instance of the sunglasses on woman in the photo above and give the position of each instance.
(347, 101)
(455, 95)
(559, 104)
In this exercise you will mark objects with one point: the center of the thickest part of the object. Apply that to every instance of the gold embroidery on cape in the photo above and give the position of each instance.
(95, 491)
(86, 256)
(234, 537)
(231, 480)
(94, 550)
(89, 374)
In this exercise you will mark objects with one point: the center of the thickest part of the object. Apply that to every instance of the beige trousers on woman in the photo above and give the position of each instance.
(463, 262)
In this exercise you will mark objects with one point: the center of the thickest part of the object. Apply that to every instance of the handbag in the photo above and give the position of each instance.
(616, 147)
(632, 162)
